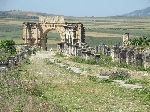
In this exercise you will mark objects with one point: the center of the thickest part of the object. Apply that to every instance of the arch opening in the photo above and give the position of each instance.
(52, 38)
(71, 36)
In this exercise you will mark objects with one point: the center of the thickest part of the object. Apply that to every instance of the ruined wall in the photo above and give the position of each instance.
(53, 19)
(132, 56)
(72, 34)
(22, 52)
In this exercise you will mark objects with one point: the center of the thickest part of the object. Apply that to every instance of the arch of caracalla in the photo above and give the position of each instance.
(72, 34)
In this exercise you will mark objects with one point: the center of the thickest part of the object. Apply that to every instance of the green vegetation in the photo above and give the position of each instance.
(7, 49)
(95, 41)
(133, 31)
(142, 42)
(10, 32)
(8, 46)
(119, 75)
(20, 95)
(82, 60)
(60, 55)
(53, 39)
(99, 80)
(137, 81)
(106, 61)
(39, 86)
(16, 14)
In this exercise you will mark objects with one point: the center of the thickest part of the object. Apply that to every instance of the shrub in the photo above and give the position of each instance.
(8, 46)
(82, 60)
(60, 54)
(99, 80)
(119, 75)
(142, 41)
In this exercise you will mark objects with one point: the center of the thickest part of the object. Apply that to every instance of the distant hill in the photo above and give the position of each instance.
(22, 14)
(139, 13)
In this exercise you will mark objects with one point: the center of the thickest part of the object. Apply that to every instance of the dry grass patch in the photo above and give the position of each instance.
(98, 34)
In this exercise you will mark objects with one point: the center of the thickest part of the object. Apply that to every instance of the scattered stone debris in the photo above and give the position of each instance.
(104, 74)
(128, 86)
(103, 77)
(75, 70)
(2, 69)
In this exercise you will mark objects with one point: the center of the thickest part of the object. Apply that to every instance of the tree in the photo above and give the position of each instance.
(142, 41)
(8, 46)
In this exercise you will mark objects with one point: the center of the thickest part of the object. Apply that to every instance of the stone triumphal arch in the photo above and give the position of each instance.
(72, 34)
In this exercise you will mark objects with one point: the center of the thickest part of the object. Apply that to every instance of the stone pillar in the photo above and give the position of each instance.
(125, 39)
(66, 48)
(139, 59)
(37, 36)
(108, 51)
(60, 47)
(79, 52)
(147, 59)
(130, 57)
(43, 43)
(103, 49)
(122, 56)
(97, 57)
(75, 51)
(113, 54)
(25, 35)
(96, 49)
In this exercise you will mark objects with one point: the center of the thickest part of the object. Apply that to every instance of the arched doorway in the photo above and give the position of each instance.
(51, 31)
(53, 38)
(72, 34)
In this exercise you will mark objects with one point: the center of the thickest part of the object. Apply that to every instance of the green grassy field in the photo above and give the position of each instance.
(40, 85)
(99, 30)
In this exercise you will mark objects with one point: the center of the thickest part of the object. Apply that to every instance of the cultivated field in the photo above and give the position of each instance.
(98, 30)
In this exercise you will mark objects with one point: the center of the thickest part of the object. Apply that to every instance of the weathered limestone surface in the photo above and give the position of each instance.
(130, 56)
(147, 58)
(72, 34)
(125, 39)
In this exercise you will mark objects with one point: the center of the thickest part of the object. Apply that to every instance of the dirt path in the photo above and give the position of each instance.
(73, 92)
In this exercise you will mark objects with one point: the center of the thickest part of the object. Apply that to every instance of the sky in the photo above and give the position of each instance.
(99, 8)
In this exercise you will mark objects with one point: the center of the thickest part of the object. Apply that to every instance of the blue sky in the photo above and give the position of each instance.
(76, 7)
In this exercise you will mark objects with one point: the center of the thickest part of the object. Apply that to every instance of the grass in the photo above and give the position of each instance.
(11, 32)
(95, 41)
(99, 80)
(60, 55)
(106, 61)
(22, 93)
(119, 76)
(134, 32)
(82, 60)
(137, 81)
(56, 89)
